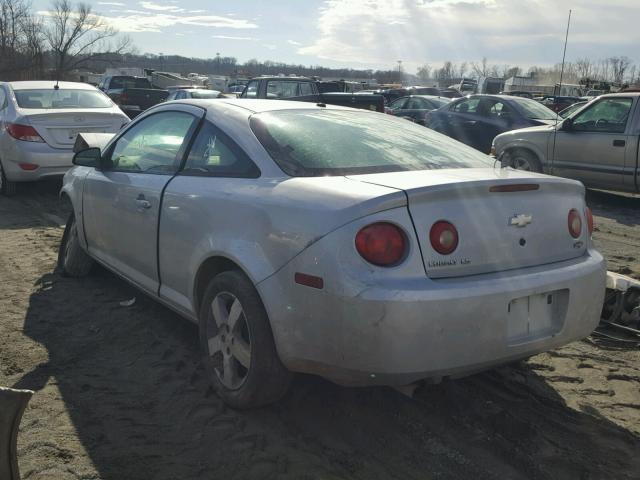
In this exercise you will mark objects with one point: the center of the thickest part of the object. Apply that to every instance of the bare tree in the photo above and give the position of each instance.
(12, 13)
(424, 73)
(78, 36)
(462, 69)
(619, 66)
(482, 69)
(584, 68)
(33, 32)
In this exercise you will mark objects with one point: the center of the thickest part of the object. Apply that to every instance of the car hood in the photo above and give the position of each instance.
(539, 129)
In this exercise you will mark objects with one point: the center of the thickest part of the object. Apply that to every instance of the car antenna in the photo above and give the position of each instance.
(555, 127)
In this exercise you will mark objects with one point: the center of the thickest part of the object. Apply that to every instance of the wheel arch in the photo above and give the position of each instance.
(208, 269)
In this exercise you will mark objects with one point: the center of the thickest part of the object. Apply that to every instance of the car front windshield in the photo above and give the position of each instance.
(51, 98)
(533, 109)
(342, 142)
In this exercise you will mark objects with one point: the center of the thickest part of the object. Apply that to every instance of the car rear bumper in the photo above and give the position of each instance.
(50, 161)
(404, 330)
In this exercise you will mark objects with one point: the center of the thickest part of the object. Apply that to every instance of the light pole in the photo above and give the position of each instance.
(400, 71)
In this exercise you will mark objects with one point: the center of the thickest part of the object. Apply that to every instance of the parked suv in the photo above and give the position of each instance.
(597, 145)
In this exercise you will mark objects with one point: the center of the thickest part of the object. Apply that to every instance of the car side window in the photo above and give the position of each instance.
(3, 99)
(171, 96)
(251, 91)
(152, 144)
(415, 104)
(398, 104)
(608, 115)
(214, 154)
(466, 106)
(281, 89)
(304, 88)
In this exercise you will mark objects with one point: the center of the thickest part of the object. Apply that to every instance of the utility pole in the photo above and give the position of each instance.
(400, 71)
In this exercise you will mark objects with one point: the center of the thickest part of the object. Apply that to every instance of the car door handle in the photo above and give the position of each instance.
(143, 202)
(619, 143)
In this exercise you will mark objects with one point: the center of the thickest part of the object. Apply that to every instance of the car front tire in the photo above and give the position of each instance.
(7, 187)
(237, 344)
(523, 160)
(73, 261)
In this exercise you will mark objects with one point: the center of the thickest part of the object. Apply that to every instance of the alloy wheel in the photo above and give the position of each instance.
(229, 345)
(521, 163)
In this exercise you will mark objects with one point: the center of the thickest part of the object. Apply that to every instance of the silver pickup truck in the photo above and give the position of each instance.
(597, 145)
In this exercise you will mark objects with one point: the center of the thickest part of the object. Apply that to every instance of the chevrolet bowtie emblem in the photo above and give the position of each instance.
(520, 220)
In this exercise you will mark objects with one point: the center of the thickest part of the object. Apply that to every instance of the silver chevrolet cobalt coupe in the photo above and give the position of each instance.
(338, 242)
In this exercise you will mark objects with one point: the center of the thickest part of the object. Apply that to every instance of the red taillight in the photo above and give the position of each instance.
(575, 223)
(444, 237)
(28, 166)
(589, 216)
(26, 133)
(382, 244)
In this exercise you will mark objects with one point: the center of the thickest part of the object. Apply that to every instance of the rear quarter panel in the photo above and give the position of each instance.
(259, 224)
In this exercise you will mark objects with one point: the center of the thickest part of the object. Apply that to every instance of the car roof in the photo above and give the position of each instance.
(620, 94)
(262, 105)
(428, 97)
(31, 85)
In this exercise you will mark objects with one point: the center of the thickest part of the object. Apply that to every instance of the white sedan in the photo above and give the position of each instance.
(343, 243)
(39, 122)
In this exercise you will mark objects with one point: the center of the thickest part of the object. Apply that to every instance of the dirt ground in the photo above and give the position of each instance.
(121, 394)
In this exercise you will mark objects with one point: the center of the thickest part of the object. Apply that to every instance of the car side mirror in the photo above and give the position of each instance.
(89, 157)
(567, 125)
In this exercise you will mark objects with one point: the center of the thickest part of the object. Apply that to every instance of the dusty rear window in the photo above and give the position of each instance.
(341, 142)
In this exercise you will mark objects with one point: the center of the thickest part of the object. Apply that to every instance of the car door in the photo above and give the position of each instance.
(594, 147)
(492, 118)
(121, 201)
(215, 190)
(461, 120)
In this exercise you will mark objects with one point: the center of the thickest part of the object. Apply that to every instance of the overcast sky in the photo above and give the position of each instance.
(377, 33)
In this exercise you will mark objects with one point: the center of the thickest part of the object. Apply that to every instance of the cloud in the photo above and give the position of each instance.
(269, 46)
(293, 42)
(112, 4)
(379, 32)
(161, 8)
(229, 37)
(138, 21)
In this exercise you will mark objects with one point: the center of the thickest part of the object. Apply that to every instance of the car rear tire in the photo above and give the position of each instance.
(73, 261)
(237, 344)
(523, 160)
(7, 187)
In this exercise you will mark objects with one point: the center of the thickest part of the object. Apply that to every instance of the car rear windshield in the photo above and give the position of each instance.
(61, 98)
(205, 94)
(533, 109)
(341, 142)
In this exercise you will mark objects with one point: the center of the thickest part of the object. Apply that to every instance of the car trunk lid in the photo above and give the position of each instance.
(505, 219)
(60, 128)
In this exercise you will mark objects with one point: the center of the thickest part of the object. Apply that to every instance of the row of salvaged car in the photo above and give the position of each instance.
(314, 238)
(595, 142)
